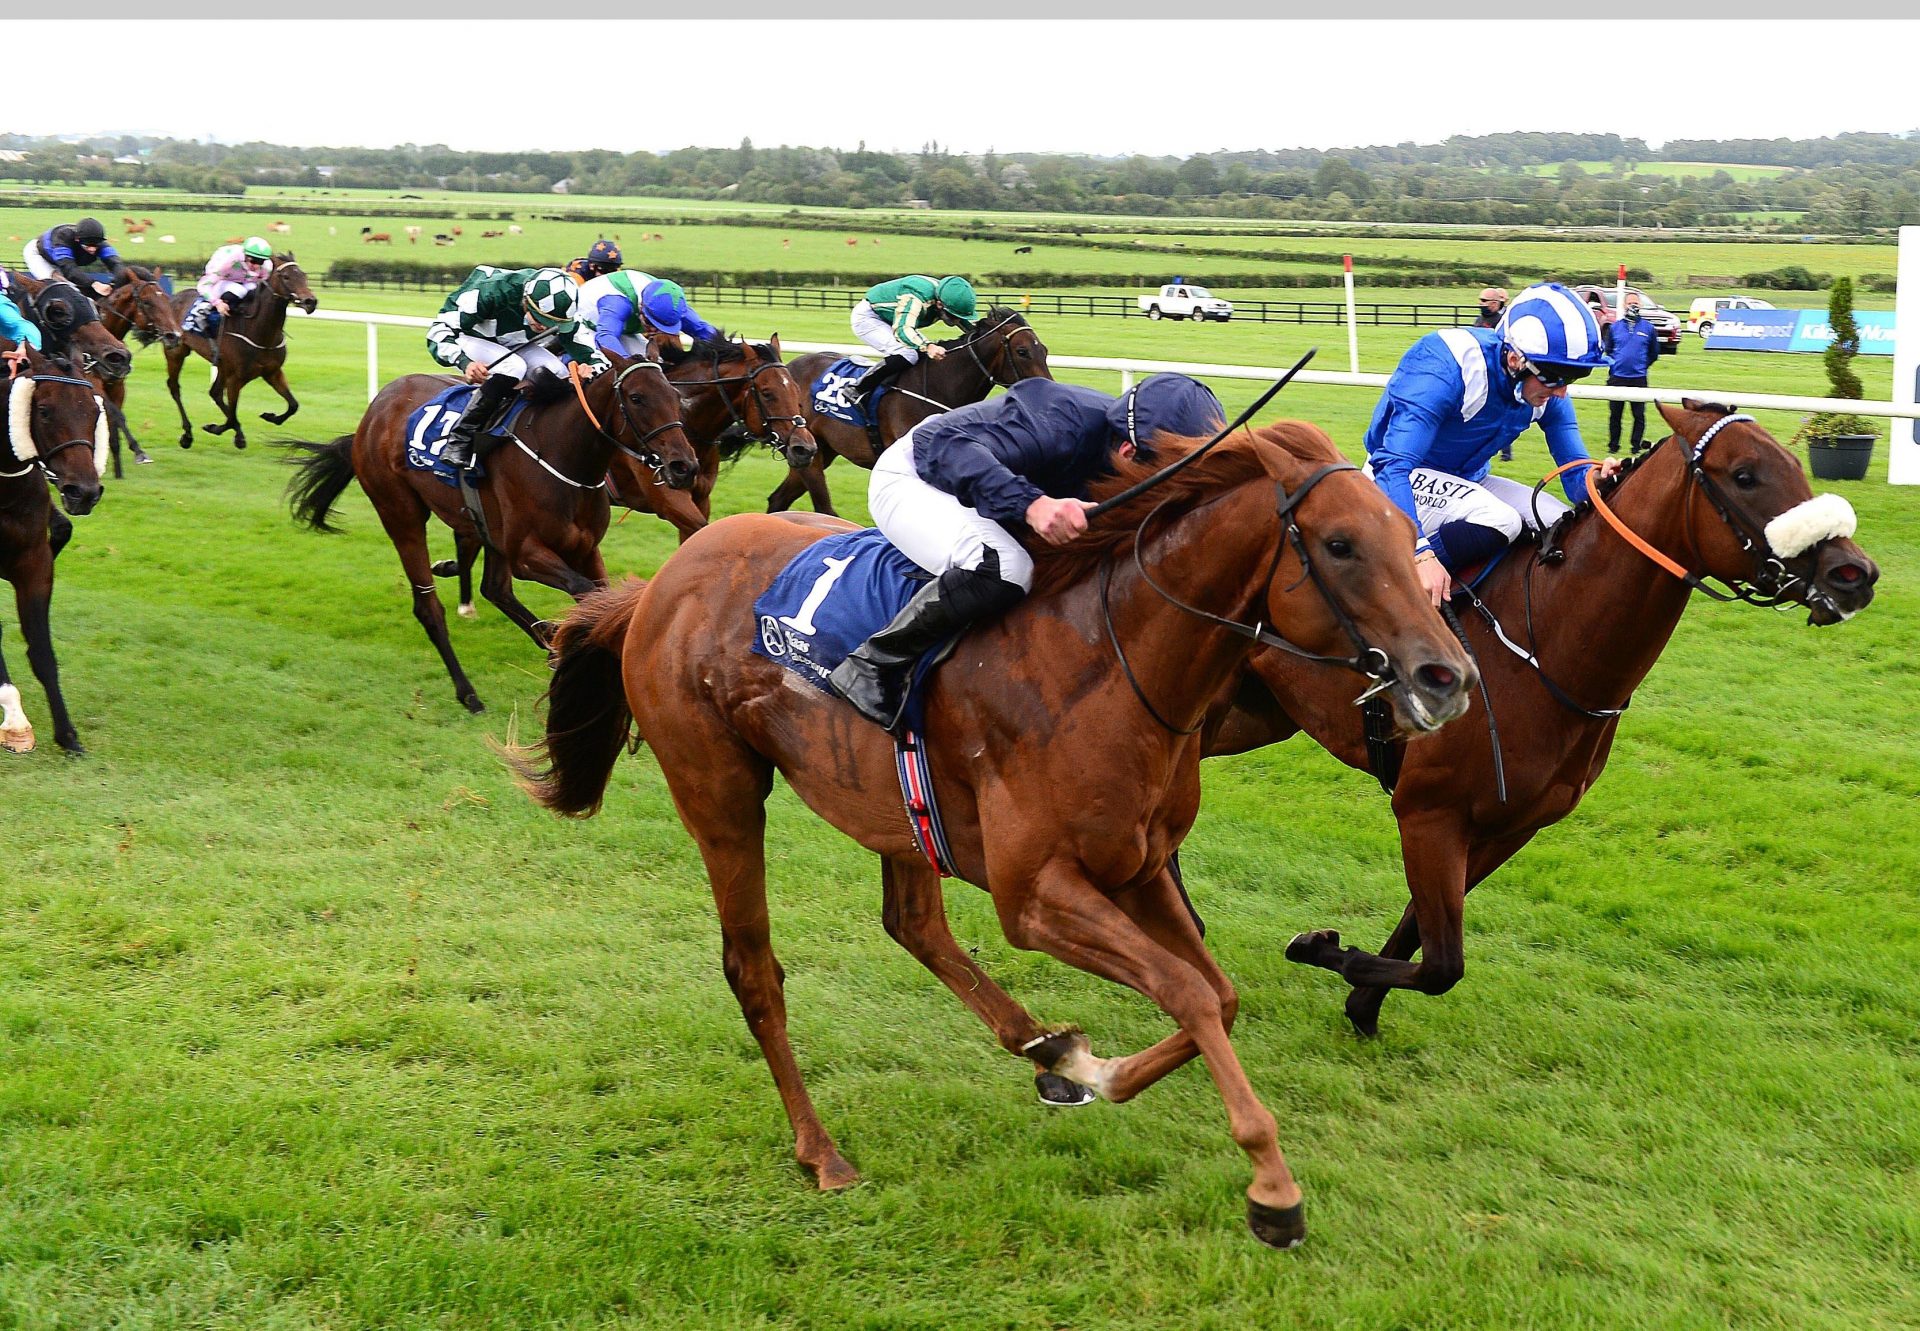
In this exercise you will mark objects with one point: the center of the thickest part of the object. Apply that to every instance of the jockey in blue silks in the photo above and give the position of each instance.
(946, 492)
(1461, 395)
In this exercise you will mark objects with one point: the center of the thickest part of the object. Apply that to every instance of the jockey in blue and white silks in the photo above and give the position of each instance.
(1461, 395)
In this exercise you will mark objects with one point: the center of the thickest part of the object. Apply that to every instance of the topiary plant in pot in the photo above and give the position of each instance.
(1840, 443)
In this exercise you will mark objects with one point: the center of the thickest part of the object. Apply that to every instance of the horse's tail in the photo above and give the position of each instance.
(318, 480)
(587, 718)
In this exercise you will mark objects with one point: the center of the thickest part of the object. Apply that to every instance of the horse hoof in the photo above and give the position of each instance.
(445, 568)
(142, 460)
(834, 1174)
(473, 704)
(17, 741)
(187, 441)
(1364, 1013)
(465, 611)
(1049, 1049)
(544, 629)
(1305, 947)
(238, 442)
(71, 745)
(1057, 1092)
(1280, 1227)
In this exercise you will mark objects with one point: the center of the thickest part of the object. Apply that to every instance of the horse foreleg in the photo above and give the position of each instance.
(59, 532)
(174, 365)
(226, 392)
(1059, 912)
(1363, 1004)
(122, 427)
(277, 380)
(466, 549)
(720, 789)
(16, 732)
(33, 596)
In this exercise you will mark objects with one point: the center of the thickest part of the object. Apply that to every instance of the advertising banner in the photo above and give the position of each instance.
(1796, 330)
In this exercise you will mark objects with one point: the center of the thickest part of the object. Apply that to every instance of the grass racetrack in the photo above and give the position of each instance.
(308, 1019)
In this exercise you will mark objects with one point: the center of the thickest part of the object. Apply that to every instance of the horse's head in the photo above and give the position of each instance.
(146, 307)
(1006, 347)
(1751, 520)
(72, 326)
(766, 403)
(289, 282)
(642, 411)
(1344, 580)
(57, 423)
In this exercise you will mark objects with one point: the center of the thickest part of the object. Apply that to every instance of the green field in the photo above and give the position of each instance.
(1679, 170)
(308, 1019)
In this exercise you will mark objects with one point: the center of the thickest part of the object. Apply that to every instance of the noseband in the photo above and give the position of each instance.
(41, 458)
(1367, 659)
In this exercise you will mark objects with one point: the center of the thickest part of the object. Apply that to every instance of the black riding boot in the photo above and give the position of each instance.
(874, 677)
(889, 369)
(481, 410)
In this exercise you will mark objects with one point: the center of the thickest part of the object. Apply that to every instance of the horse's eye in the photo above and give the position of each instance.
(1340, 547)
(1744, 478)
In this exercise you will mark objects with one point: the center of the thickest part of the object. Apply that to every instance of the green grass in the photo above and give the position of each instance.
(1679, 170)
(308, 1019)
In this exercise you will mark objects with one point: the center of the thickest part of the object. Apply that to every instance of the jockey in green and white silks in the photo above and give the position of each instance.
(502, 326)
(890, 319)
(620, 310)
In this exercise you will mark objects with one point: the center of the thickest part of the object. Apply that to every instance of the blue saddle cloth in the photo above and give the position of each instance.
(431, 421)
(832, 393)
(833, 596)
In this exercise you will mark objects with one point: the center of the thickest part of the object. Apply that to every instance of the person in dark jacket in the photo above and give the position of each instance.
(1634, 344)
(947, 492)
(67, 249)
(1493, 304)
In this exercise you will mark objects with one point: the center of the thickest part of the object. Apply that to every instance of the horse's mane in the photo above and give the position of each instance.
(722, 347)
(993, 317)
(1240, 457)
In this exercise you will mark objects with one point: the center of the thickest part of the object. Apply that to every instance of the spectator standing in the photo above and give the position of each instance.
(1634, 344)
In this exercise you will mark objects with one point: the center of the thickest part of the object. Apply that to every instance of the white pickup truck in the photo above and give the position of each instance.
(1183, 300)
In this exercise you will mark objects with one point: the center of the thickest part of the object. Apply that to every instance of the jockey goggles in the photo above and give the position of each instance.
(1556, 376)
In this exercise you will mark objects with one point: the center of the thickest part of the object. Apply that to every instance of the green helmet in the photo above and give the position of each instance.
(256, 248)
(548, 297)
(955, 295)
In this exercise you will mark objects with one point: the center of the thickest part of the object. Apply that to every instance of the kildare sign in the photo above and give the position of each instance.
(1796, 330)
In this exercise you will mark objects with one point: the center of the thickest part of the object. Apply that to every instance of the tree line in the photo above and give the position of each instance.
(1850, 183)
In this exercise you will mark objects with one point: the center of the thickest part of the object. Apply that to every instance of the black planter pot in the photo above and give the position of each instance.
(1844, 457)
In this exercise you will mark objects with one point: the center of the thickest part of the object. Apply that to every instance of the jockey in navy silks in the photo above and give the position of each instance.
(947, 490)
(1459, 396)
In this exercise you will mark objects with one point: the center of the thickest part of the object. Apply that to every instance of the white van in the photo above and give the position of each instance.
(1701, 314)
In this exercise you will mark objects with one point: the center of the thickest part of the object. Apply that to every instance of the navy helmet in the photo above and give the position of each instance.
(1165, 404)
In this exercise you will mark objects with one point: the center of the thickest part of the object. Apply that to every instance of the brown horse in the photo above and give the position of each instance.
(1001, 349)
(253, 345)
(56, 432)
(71, 327)
(1053, 698)
(544, 498)
(139, 306)
(1595, 613)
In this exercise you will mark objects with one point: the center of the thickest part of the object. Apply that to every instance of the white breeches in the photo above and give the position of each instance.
(878, 334)
(1440, 498)
(931, 527)
(230, 291)
(519, 360)
(36, 265)
(633, 344)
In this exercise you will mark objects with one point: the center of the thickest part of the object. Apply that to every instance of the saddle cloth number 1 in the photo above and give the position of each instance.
(802, 623)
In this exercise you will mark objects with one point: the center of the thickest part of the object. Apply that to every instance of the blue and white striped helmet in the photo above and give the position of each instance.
(1553, 329)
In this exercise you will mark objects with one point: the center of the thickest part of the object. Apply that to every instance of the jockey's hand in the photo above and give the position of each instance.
(102, 289)
(221, 306)
(1609, 468)
(476, 372)
(1057, 520)
(1434, 578)
(16, 360)
(936, 352)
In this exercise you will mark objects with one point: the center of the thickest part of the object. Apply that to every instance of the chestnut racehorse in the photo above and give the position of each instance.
(253, 345)
(544, 498)
(137, 305)
(1596, 613)
(56, 432)
(1001, 349)
(1146, 611)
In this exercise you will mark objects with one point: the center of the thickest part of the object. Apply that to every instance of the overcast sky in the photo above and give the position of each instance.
(1045, 86)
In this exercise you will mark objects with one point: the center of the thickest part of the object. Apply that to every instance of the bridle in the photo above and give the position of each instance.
(42, 457)
(642, 450)
(84, 312)
(972, 340)
(1367, 659)
(770, 422)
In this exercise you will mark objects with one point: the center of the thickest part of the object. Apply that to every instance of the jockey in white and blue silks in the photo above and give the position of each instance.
(1461, 395)
(946, 491)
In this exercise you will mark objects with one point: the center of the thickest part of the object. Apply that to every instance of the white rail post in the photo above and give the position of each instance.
(373, 360)
(1903, 445)
(1126, 380)
(1619, 297)
(1353, 333)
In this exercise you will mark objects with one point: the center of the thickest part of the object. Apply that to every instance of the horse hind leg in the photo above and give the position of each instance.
(720, 787)
(277, 380)
(405, 519)
(465, 550)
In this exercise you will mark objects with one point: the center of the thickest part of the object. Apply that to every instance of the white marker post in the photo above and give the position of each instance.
(1353, 333)
(1620, 295)
(1903, 451)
